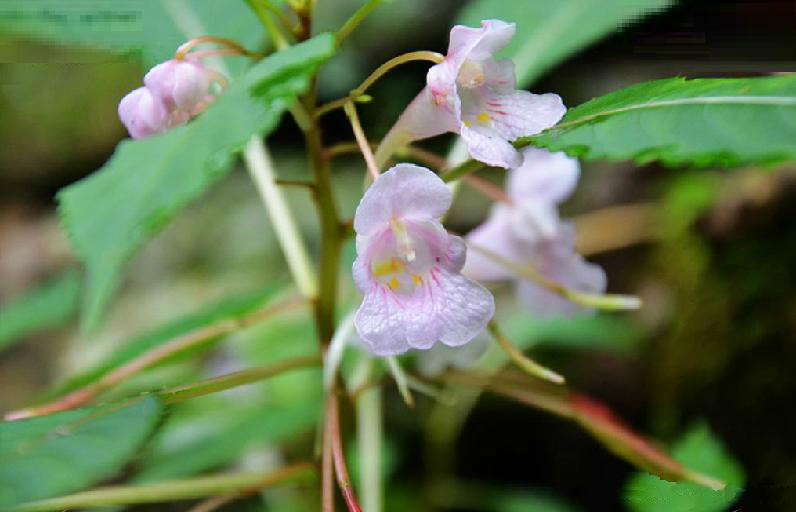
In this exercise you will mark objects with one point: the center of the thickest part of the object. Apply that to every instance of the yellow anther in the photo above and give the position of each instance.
(483, 117)
(468, 123)
(394, 284)
(387, 267)
(417, 279)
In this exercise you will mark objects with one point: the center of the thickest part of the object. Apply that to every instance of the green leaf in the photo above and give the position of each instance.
(213, 432)
(700, 450)
(68, 451)
(549, 32)
(702, 122)
(228, 309)
(50, 305)
(109, 214)
(151, 29)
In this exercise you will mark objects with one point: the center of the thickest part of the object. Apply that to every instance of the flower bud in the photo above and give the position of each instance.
(182, 85)
(143, 114)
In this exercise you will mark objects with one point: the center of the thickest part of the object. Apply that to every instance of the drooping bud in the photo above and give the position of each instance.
(143, 114)
(182, 85)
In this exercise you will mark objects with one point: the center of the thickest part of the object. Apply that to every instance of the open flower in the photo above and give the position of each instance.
(473, 94)
(175, 91)
(408, 267)
(529, 232)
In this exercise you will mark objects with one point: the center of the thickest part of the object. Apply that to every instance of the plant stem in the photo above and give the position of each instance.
(235, 379)
(331, 235)
(230, 44)
(355, 19)
(612, 302)
(524, 362)
(276, 35)
(378, 73)
(260, 167)
(150, 358)
(369, 430)
(399, 376)
(340, 469)
(327, 470)
(462, 170)
(171, 491)
(362, 141)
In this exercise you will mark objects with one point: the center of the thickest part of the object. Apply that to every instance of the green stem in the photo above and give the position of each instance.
(527, 364)
(171, 491)
(331, 234)
(276, 35)
(233, 380)
(462, 170)
(369, 429)
(355, 19)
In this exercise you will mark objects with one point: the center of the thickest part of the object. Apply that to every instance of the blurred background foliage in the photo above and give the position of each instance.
(714, 346)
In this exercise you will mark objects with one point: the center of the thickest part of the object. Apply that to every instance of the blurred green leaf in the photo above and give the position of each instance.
(67, 451)
(211, 433)
(109, 214)
(549, 32)
(525, 501)
(700, 450)
(228, 309)
(132, 27)
(50, 305)
(702, 122)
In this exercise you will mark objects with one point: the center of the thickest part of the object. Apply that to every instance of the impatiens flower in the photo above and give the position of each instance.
(408, 267)
(529, 232)
(473, 94)
(175, 91)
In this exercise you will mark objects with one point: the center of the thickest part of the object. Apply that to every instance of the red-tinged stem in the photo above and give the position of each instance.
(340, 468)
(327, 471)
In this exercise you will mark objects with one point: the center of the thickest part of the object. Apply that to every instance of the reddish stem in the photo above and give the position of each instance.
(333, 431)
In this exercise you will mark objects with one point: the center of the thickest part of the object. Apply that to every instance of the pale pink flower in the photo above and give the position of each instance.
(175, 92)
(143, 114)
(529, 232)
(408, 267)
(473, 94)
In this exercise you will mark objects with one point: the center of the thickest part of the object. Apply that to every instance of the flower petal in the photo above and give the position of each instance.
(556, 259)
(380, 323)
(488, 146)
(496, 235)
(543, 177)
(520, 113)
(405, 191)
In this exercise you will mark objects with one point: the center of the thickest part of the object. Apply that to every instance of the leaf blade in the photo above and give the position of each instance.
(50, 305)
(65, 452)
(701, 122)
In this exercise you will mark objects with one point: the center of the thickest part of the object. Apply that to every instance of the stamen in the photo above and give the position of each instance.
(402, 240)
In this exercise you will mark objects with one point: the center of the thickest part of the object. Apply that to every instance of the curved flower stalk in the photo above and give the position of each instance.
(408, 267)
(473, 94)
(174, 92)
(529, 231)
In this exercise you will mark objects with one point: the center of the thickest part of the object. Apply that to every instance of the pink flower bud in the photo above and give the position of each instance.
(180, 84)
(143, 114)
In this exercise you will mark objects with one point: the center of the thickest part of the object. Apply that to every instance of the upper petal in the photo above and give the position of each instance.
(406, 191)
